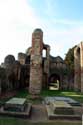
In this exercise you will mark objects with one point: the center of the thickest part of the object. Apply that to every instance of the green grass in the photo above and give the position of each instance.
(24, 94)
(15, 121)
(74, 95)
(60, 93)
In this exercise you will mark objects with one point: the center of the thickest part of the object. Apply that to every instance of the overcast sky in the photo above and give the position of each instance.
(60, 20)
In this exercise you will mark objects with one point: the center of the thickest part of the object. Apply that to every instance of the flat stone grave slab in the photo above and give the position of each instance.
(68, 100)
(61, 107)
(15, 104)
(47, 100)
(71, 101)
(17, 107)
(53, 116)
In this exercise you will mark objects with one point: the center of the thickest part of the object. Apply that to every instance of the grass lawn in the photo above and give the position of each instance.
(15, 121)
(24, 94)
(75, 95)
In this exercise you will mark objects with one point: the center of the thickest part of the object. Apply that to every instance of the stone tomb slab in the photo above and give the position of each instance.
(70, 101)
(61, 107)
(17, 107)
(53, 116)
(15, 104)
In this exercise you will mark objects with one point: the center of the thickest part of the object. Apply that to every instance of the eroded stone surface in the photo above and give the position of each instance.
(78, 67)
(36, 62)
(15, 104)
(18, 101)
(16, 107)
(33, 70)
(61, 108)
(71, 101)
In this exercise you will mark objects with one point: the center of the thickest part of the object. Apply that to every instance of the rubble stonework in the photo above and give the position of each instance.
(36, 62)
(32, 70)
(78, 67)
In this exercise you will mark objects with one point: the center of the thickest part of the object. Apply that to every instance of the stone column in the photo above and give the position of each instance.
(36, 62)
(47, 57)
(0, 86)
(81, 60)
(77, 68)
(46, 63)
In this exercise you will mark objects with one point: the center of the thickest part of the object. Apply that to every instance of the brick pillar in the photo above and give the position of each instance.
(36, 62)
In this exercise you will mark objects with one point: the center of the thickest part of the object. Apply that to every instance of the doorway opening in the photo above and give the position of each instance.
(54, 82)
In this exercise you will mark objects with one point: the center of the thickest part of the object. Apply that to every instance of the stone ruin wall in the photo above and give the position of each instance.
(21, 58)
(38, 73)
(78, 67)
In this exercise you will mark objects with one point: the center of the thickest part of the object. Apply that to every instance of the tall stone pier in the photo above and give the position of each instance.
(81, 56)
(78, 67)
(36, 62)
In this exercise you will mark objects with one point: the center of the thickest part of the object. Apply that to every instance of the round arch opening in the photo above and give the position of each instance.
(54, 82)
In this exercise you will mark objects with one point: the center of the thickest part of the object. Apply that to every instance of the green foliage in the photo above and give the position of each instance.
(69, 60)
(22, 93)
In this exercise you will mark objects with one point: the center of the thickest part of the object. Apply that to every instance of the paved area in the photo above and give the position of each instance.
(38, 113)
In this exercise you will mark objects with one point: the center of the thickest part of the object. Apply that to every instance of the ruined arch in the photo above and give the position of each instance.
(55, 80)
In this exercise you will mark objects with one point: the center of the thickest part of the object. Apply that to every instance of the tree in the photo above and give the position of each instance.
(69, 60)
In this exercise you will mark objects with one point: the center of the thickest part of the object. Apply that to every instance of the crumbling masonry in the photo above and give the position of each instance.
(32, 70)
(78, 66)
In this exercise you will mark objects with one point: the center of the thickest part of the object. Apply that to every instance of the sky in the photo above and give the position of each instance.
(60, 20)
